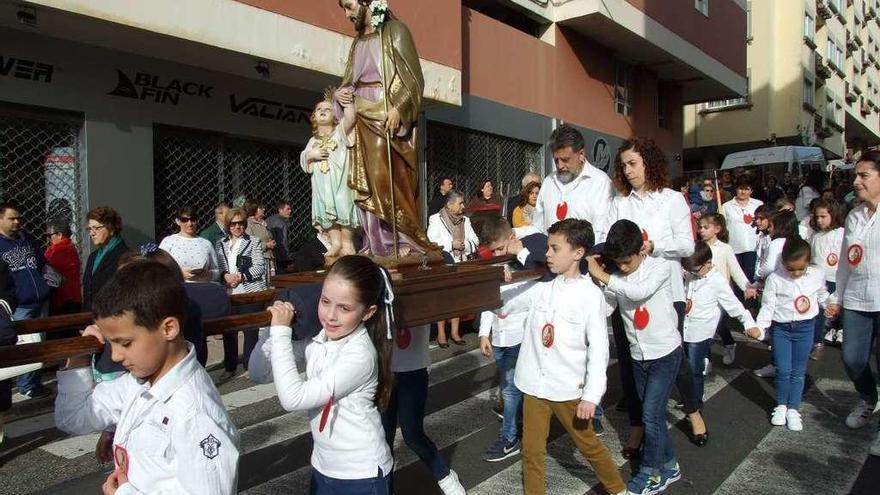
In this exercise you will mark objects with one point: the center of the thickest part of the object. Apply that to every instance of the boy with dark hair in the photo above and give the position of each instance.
(564, 355)
(643, 291)
(530, 251)
(172, 432)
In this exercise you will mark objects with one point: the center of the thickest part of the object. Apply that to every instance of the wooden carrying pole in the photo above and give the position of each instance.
(55, 351)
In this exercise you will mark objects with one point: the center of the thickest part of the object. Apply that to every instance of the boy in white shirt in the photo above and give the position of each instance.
(173, 434)
(564, 355)
(643, 291)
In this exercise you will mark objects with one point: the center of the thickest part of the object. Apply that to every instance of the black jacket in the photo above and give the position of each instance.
(92, 282)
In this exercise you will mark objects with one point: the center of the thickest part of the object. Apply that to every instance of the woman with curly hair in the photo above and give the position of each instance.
(641, 177)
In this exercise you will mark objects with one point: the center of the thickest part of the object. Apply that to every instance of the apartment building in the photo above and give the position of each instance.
(813, 75)
(147, 105)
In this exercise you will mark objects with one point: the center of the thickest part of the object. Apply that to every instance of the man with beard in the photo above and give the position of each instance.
(382, 56)
(575, 190)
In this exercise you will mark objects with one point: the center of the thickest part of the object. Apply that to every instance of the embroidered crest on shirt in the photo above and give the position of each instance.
(210, 447)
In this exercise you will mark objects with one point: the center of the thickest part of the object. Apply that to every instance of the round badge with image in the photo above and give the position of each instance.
(802, 304)
(831, 259)
(547, 335)
(854, 254)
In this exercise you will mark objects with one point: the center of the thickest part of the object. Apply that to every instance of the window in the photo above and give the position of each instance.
(835, 54)
(623, 91)
(734, 102)
(702, 6)
(809, 26)
(809, 92)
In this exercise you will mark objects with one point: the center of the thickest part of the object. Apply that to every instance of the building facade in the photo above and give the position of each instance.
(813, 75)
(147, 106)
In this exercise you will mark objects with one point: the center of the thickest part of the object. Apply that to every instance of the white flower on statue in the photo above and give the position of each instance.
(379, 11)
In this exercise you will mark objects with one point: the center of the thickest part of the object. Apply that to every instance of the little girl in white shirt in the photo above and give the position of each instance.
(826, 221)
(348, 375)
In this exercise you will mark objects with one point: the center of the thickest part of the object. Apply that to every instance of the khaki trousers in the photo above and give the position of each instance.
(536, 427)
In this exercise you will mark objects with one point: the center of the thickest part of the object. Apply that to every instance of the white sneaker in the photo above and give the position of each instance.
(768, 371)
(450, 484)
(729, 354)
(793, 420)
(779, 415)
(707, 366)
(839, 337)
(875, 445)
(860, 415)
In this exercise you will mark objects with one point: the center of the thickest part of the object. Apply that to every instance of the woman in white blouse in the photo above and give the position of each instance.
(857, 292)
(642, 178)
(195, 255)
(451, 230)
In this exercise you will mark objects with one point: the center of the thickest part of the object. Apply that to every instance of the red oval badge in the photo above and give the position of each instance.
(561, 210)
(547, 335)
(502, 316)
(403, 338)
(644, 235)
(641, 318)
(831, 259)
(688, 306)
(802, 304)
(748, 219)
(854, 254)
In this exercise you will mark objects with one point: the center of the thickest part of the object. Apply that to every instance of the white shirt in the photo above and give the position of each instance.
(761, 249)
(804, 229)
(410, 351)
(586, 197)
(825, 249)
(788, 299)
(646, 290)
(665, 219)
(441, 236)
(725, 263)
(743, 235)
(772, 259)
(352, 445)
(564, 350)
(192, 253)
(858, 274)
(706, 297)
(507, 323)
(176, 435)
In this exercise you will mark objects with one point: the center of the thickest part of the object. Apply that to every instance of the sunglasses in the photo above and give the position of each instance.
(186, 219)
(50, 234)
(240, 223)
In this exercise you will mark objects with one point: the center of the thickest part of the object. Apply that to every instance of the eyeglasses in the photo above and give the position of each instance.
(50, 234)
(186, 220)
(708, 189)
(95, 228)
(240, 223)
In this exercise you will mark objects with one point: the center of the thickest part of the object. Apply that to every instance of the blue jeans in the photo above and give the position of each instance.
(820, 319)
(31, 380)
(407, 409)
(654, 379)
(696, 356)
(858, 344)
(325, 485)
(791, 350)
(505, 360)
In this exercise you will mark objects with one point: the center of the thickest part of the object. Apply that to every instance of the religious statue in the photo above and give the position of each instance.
(326, 158)
(383, 79)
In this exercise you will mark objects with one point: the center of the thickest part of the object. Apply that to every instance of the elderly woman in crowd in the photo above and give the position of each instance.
(452, 231)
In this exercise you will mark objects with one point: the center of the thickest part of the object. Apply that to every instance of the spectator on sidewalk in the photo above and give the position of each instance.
(194, 255)
(62, 256)
(21, 251)
(438, 201)
(279, 227)
(215, 232)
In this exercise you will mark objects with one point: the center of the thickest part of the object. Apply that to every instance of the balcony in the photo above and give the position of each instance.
(857, 37)
(823, 9)
(851, 96)
(822, 68)
(851, 44)
(857, 89)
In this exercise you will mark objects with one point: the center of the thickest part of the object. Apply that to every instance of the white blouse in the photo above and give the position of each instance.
(825, 249)
(192, 253)
(665, 220)
(743, 235)
(858, 274)
(706, 297)
(787, 299)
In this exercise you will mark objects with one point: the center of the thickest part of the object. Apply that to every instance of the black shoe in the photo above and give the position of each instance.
(39, 392)
(701, 440)
(459, 342)
(498, 409)
(631, 453)
(443, 345)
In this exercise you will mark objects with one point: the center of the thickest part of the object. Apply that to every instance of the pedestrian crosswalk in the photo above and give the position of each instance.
(745, 454)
